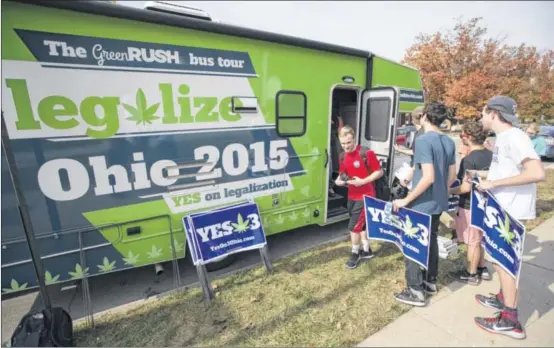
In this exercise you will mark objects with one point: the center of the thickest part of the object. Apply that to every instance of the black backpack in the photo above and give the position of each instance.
(47, 328)
(382, 189)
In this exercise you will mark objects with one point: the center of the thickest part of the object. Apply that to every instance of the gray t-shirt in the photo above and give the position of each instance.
(439, 150)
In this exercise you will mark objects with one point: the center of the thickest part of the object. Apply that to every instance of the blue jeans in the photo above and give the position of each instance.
(414, 274)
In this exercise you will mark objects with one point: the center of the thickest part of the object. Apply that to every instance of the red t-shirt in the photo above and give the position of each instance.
(353, 166)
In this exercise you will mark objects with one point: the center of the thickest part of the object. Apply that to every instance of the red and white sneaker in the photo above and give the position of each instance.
(500, 324)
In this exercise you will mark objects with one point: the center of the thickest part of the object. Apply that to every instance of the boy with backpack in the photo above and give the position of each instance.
(359, 169)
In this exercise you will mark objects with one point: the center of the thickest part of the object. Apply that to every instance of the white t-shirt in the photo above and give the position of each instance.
(510, 149)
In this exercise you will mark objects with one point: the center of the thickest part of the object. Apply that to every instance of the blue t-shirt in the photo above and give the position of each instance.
(440, 151)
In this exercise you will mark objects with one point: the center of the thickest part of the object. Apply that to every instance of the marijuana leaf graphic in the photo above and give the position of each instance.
(280, 219)
(409, 230)
(293, 216)
(15, 286)
(106, 266)
(504, 230)
(131, 259)
(305, 191)
(142, 113)
(178, 247)
(155, 253)
(79, 272)
(306, 213)
(48, 278)
(241, 225)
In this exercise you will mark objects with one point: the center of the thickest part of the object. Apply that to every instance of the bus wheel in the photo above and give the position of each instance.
(221, 263)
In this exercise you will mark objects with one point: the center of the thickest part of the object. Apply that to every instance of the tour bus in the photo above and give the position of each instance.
(123, 120)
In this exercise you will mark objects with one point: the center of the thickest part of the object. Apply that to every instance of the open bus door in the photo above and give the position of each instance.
(379, 109)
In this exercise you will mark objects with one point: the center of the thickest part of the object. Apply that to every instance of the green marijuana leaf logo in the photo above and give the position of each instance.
(131, 259)
(106, 266)
(142, 113)
(409, 230)
(293, 216)
(155, 253)
(306, 213)
(504, 230)
(178, 246)
(280, 219)
(241, 225)
(15, 286)
(79, 272)
(48, 278)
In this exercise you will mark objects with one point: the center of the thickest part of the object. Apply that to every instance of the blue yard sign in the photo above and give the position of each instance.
(407, 229)
(503, 235)
(220, 232)
(454, 200)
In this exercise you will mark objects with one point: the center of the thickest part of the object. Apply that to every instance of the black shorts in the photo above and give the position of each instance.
(357, 216)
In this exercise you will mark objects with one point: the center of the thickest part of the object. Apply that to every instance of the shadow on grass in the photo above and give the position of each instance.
(189, 318)
(328, 255)
(315, 259)
(188, 321)
(271, 324)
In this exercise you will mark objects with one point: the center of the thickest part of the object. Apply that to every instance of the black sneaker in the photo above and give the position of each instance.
(411, 297)
(430, 287)
(492, 302)
(484, 273)
(500, 324)
(468, 278)
(366, 255)
(353, 261)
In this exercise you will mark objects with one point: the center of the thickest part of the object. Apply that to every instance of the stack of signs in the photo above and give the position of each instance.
(407, 229)
(217, 233)
(402, 174)
(447, 247)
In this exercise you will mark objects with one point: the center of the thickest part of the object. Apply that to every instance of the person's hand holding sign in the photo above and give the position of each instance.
(399, 203)
(485, 185)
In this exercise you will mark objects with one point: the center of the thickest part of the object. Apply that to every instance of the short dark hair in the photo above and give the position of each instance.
(436, 113)
(474, 129)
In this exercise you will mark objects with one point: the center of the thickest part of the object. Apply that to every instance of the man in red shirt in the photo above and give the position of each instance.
(359, 177)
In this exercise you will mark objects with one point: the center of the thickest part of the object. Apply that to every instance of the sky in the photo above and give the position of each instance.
(385, 28)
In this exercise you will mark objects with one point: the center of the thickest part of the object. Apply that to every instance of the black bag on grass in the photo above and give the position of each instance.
(47, 328)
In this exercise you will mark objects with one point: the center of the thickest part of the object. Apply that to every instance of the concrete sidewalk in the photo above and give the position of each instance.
(448, 319)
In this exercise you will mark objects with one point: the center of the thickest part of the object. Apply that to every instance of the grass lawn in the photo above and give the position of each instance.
(310, 300)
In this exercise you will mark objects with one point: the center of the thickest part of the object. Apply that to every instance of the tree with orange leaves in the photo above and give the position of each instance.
(463, 67)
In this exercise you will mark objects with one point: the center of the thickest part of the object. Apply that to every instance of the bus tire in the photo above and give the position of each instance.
(220, 264)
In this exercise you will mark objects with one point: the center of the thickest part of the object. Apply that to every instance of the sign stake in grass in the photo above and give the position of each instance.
(222, 232)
